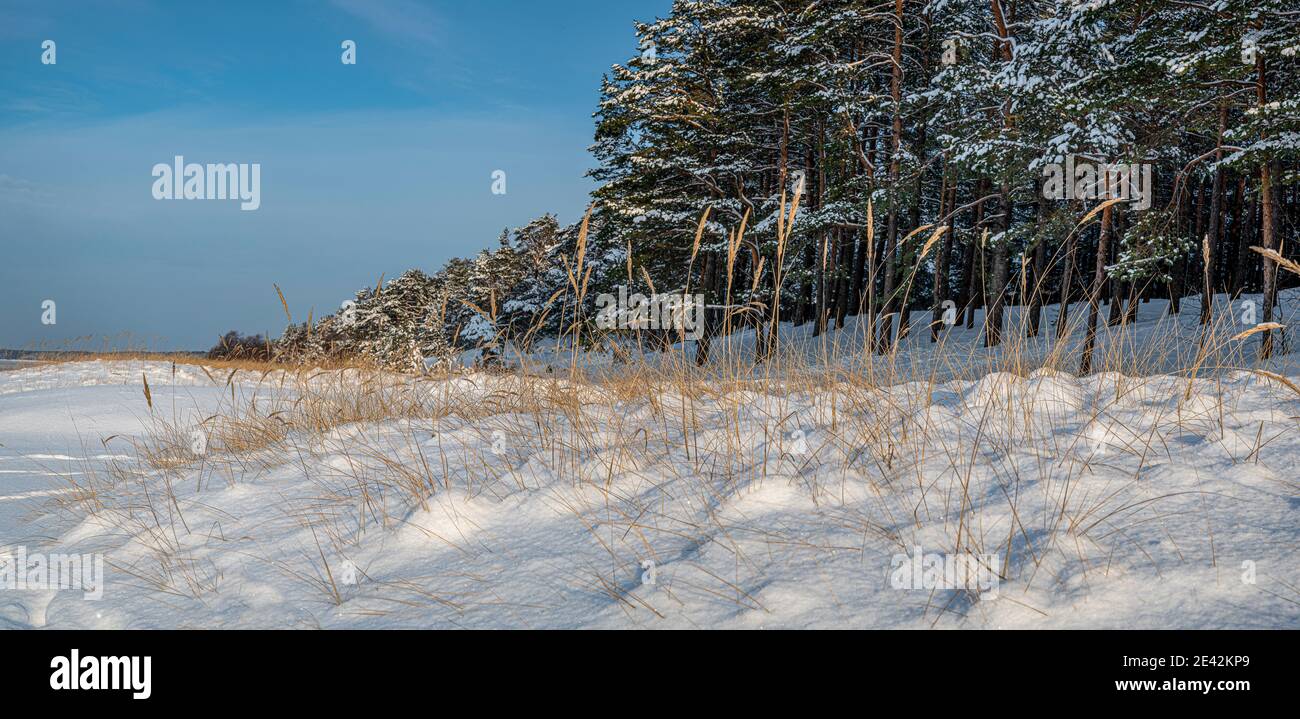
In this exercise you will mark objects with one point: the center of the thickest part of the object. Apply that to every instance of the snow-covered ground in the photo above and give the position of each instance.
(1107, 501)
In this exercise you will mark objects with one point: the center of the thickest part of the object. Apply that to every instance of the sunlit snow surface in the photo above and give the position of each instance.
(1121, 502)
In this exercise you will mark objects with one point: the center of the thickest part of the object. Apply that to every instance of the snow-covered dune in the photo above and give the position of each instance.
(1107, 501)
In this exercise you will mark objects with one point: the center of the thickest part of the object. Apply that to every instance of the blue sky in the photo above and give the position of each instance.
(365, 169)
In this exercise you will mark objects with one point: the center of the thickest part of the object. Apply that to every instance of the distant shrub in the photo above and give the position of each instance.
(234, 346)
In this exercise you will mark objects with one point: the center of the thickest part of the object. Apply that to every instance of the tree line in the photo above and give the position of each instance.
(807, 162)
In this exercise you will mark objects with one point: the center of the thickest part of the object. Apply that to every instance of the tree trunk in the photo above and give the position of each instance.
(993, 319)
(842, 287)
(1241, 255)
(941, 265)
(1067, 283)
(1266, 201)
(1118, 290)
(1094, 294)
(973, 279)
(885, 331)
(708, 281)
(1037, 267)
(1216, 202)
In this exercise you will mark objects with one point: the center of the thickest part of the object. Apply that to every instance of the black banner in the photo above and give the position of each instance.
(237, 669)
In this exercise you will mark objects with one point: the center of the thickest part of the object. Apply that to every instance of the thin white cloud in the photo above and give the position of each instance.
(23, 192)
(403, 19)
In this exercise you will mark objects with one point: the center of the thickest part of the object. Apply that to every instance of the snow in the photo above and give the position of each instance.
(1109, 501)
